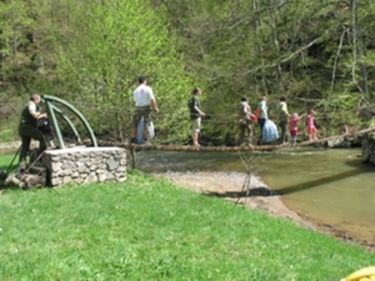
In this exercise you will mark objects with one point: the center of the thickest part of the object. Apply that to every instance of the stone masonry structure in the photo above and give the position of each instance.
(85, 165)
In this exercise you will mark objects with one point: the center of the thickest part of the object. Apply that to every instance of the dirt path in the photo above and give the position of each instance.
(229, 186)
(9, 147)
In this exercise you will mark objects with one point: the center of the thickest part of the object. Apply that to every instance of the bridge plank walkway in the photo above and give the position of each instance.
(270, 147)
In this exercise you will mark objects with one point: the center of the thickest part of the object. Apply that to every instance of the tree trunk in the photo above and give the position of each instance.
(273, 16)
(257, 22)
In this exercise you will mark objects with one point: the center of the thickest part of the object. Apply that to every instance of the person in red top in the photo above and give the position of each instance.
(312, 132)
(293, 127)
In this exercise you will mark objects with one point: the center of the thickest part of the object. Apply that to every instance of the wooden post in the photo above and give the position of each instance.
(133, 156)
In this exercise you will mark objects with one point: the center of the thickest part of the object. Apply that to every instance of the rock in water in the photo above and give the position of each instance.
(368, 149)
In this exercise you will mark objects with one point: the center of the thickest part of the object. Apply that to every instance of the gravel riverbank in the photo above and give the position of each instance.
(229, 185)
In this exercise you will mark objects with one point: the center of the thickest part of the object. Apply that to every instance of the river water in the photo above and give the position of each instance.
(332, 188)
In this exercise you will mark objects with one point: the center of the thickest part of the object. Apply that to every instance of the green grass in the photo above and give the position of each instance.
(147, 229)
(5, 160)
(8, 132)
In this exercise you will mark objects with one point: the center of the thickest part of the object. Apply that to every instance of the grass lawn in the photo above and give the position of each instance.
(8, 133)
(147, 229)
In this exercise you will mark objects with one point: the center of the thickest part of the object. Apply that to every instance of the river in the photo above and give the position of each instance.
(331, 188)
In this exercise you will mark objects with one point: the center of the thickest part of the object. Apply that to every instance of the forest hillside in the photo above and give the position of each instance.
(320, 54)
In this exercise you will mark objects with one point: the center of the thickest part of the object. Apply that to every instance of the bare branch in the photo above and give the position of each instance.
(257, 11)
(337, 58)
(287, 58)
(354, 32)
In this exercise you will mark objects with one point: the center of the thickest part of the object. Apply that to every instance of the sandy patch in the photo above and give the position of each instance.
(229, 185)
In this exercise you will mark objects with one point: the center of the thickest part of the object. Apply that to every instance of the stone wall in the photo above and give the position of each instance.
(85, 165)
(368, 148)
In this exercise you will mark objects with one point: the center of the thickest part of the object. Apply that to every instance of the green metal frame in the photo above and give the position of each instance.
(52, 110)
(68, 121)
(56, 127)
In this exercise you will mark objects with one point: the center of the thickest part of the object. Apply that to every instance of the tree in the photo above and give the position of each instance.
(109, 44)
(315, 52)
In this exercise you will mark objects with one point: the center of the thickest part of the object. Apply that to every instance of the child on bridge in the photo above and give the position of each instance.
(312, 132)
(293, 128)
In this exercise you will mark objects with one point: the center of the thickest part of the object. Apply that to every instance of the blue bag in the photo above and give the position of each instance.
(269, 133)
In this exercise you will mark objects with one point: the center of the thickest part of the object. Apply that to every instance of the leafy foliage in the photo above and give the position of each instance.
(318, 53)
(95, 52)
(110, 45)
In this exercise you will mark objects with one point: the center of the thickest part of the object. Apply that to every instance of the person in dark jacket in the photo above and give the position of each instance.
(195, 114)
(28, 128)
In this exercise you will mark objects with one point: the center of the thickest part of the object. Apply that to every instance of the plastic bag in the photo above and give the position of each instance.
(140, 131)
(269, 133)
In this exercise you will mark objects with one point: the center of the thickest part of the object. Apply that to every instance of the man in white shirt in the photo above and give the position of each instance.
(144, 101)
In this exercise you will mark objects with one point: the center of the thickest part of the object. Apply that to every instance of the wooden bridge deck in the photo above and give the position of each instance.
(173, 147)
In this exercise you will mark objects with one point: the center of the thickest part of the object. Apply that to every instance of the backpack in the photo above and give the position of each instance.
(191, 105)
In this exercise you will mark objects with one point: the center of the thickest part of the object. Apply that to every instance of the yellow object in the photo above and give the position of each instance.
(364, 274)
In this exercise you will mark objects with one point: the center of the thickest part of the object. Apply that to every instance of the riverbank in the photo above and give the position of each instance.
(331, 188)
(150, 229)
(229, 185)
